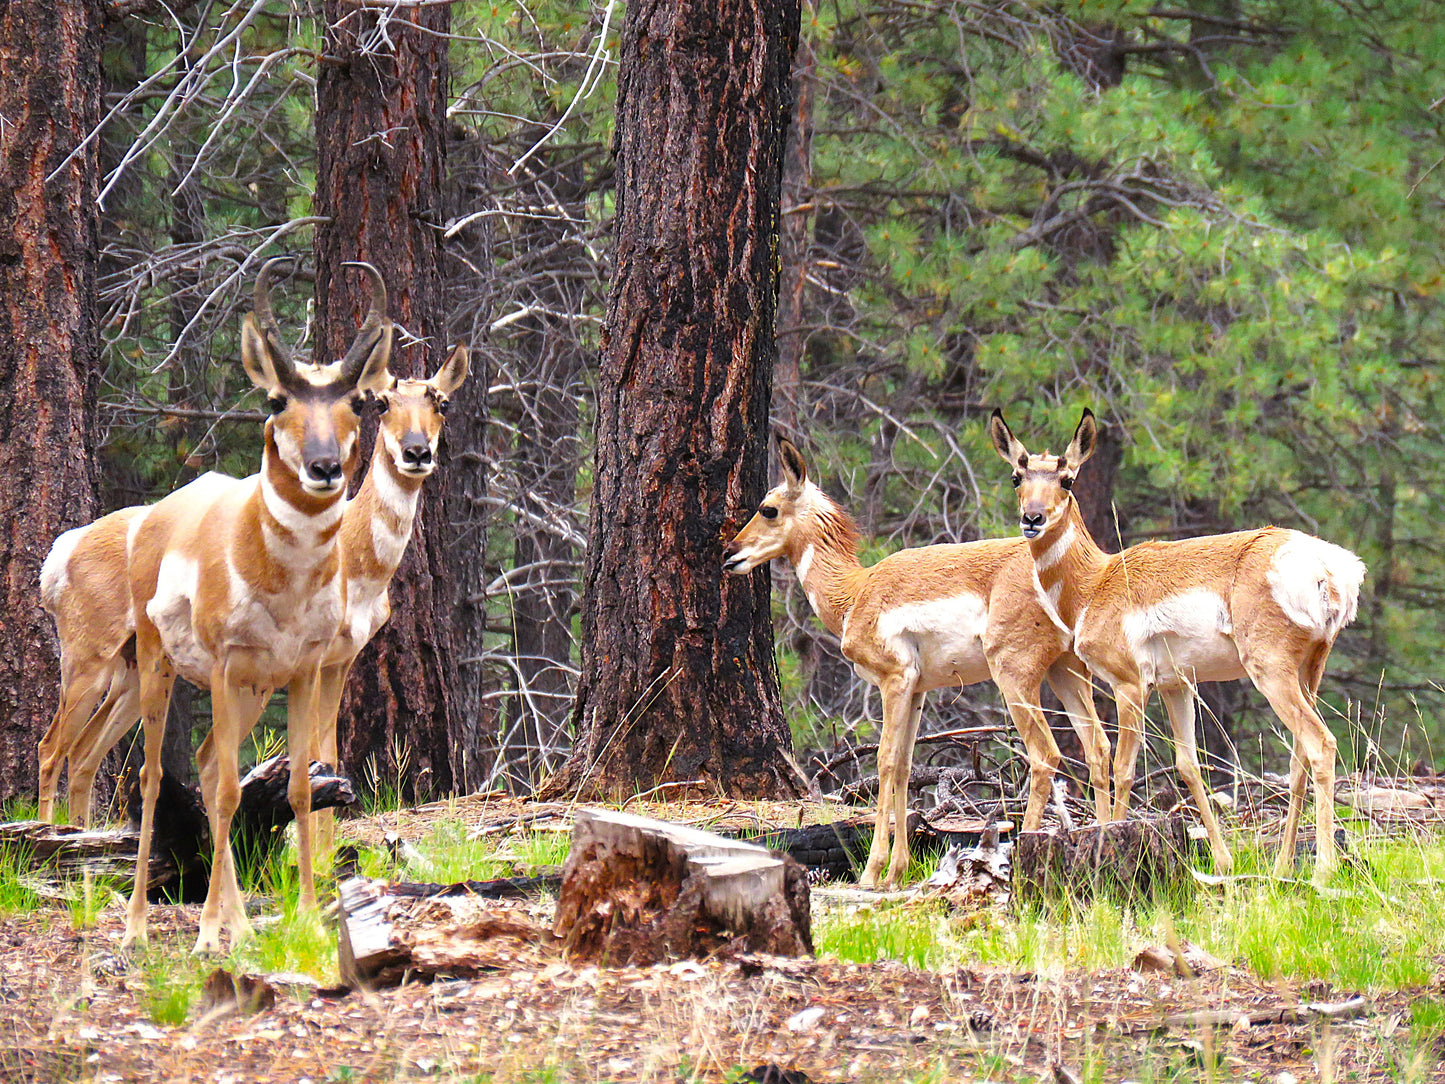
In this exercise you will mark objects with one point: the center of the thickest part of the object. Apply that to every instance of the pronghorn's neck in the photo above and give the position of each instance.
(379, 519)
(1067, 562)
(825, 556)
(298, 529)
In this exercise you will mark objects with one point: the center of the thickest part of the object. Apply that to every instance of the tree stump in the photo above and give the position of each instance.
(1128, 861)
(636, 891)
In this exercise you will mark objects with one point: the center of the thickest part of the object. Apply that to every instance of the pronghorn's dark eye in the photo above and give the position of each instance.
(443, 405)
(1017, 479)
(275, 403)
(1067, 482)
(767, 511)
(383, 404)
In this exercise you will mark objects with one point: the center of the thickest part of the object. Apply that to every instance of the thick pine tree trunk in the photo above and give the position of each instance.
(49, 102)
(380, 132)
(678, 681)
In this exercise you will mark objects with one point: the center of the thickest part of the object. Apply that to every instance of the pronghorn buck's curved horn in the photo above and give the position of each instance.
(261, 306)
(365, 363)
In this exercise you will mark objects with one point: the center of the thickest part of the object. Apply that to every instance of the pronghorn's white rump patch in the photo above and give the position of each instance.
(1055, 553)
(1189, 636)
(1316, 583)
(55, 572)
(944, 635)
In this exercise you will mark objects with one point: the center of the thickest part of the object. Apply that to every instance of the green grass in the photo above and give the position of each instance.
(15, 896)
(1375, 928)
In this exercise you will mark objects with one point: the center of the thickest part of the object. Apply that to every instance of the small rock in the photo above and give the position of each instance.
(806, 1020)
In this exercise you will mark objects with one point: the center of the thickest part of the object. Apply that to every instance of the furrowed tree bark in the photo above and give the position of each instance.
(678, 681)
(380, 132)
(49, 101)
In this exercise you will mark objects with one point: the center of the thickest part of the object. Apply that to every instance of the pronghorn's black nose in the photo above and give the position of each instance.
(325, 469)
(416, 453)
(1032, 523)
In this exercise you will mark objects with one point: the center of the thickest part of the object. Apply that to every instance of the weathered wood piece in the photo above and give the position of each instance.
(1303, 1013)
(636, 891)
(387, 931)
(1143, 859)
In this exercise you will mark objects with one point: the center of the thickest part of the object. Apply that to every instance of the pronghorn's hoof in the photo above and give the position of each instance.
(133, 939)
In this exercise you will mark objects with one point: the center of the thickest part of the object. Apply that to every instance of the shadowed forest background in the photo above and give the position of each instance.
(1217, 224)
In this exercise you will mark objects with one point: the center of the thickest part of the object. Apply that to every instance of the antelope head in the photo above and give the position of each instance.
(412, 416)
(1044, 482)
(315, 409)
(771, 531)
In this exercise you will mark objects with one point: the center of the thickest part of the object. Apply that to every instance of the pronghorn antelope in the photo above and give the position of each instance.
(84, 587)
(376, 528)
(237, 586)
(924, 619)
(1264, 604)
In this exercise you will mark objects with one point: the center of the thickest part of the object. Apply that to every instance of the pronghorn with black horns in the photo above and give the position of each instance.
(83, 585)
(924, 619)
(237, 585)
(1264, 604)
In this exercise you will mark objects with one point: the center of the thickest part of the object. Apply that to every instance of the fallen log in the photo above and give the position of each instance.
(1303, 1013)
(388, 931)
(180, 857)
(839, 849)
(637, 891)
(1134, 860)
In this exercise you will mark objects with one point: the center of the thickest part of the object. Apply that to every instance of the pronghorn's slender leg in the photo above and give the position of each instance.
(1298, 784)
(1039, 745)
(323, 741)
(301, 716)
(1076, 693)
(1131, 700)
(157, 677)
(112, 719)
(1179, 703)
(77, 702)
(897, 692)
(1280, 682)
(235, 711)
(898, 865)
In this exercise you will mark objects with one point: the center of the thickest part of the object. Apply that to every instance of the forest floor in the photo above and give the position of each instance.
(72, 1007)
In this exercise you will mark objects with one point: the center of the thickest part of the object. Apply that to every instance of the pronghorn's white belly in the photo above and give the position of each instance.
(1183, 639)
(944, 637)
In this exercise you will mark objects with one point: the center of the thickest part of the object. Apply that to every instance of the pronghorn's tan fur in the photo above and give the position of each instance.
(1264, 604)
(237, 586)
(925, 619)
(83, 585)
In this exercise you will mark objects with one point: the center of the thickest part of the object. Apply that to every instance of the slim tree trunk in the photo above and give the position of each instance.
(49, 340)
(678, 681)
(380, 132)
(549, 362)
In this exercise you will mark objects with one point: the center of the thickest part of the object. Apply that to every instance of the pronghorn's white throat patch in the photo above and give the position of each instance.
(1055, 553)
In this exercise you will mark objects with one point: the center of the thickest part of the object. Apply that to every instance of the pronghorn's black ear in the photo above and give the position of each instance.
(795, 471)
(1005, 443)
(1086, 438)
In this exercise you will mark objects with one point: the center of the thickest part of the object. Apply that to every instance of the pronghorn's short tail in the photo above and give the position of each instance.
(1317, 584)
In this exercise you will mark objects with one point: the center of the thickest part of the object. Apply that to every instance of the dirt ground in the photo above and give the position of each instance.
(73, 1008)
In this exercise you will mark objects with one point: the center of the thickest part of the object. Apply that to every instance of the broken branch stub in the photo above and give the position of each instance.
(637, 890)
